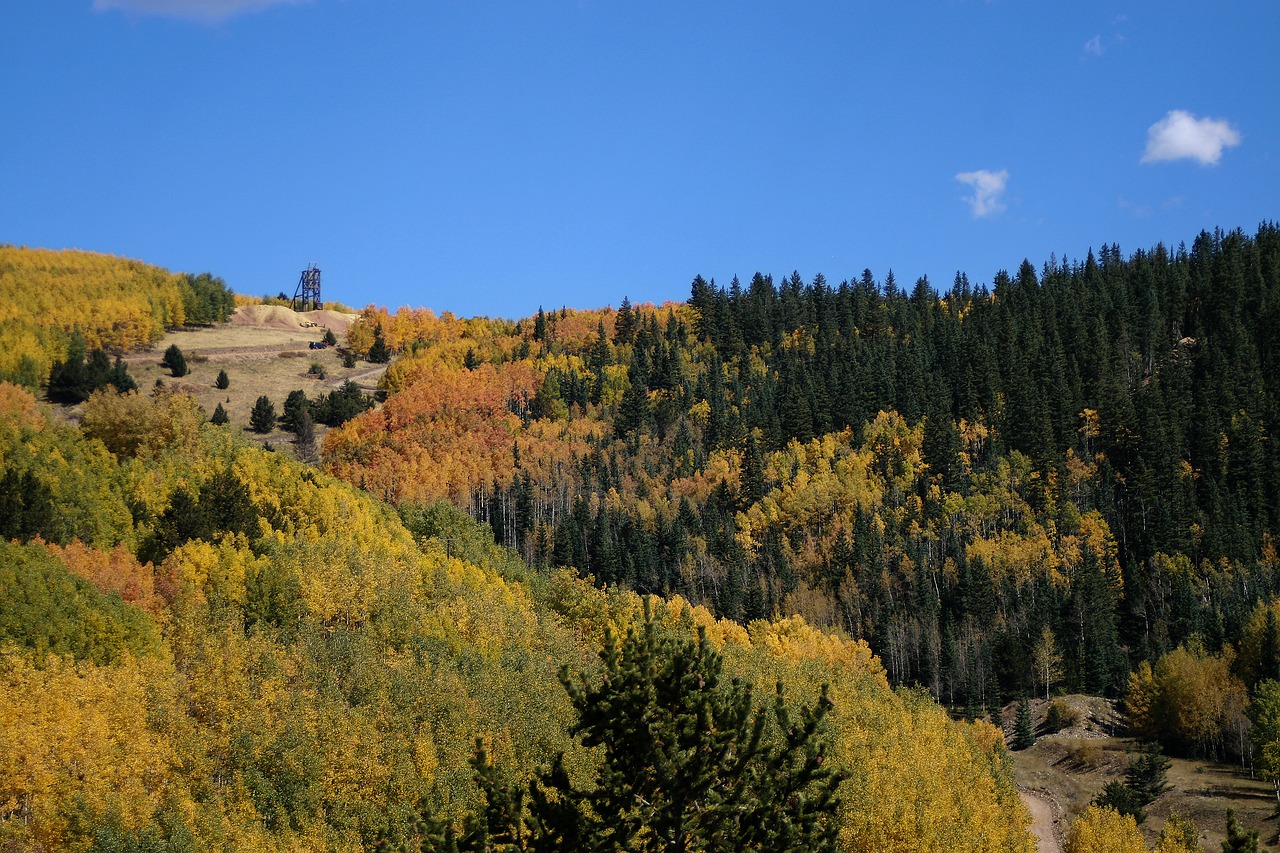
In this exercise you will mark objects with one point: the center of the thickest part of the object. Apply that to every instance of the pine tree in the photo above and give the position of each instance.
(687, 765)
(633, 410)
(219, 416)
(329, 339)
(67, 381)
(1024, 732)
(295, 405)
(120, 379)
(624, 324)
(263, 417)
(175, 361)
(223, 382)
(1238, 839)
(1146, 774)
(379, 353)
(1119, 797)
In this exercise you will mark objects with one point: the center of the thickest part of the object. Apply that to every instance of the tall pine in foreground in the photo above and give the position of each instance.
(688, 763)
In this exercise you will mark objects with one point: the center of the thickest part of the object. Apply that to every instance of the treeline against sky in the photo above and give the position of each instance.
(1090, 446)
(115, 303)
(205, 645)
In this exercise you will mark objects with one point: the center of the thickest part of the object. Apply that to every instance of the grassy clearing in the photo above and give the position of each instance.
(258, 360)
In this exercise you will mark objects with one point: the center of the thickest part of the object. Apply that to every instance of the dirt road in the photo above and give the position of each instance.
(1042, 824)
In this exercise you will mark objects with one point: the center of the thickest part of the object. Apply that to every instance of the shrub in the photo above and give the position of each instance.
(1086, 755)
(1060, 716)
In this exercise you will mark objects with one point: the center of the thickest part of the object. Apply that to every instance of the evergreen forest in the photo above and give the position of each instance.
(1088, 447)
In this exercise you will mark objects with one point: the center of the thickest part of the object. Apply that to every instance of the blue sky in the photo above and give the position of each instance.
(488, 157)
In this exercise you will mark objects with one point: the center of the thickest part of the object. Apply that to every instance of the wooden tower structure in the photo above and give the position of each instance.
(307, 296)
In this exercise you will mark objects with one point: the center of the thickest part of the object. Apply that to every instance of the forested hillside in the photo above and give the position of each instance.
(1002, 490)
(116, 304)
(301, 667)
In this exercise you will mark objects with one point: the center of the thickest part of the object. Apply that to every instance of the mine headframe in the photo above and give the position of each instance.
(307, 296)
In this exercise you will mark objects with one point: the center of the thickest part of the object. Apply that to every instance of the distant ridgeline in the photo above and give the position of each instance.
(116, 304)
(1092, 447)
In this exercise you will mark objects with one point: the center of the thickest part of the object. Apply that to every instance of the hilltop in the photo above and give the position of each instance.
(206, 645)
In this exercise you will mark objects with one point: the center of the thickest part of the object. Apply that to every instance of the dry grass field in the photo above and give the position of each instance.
(259, 358)
(1068, 769)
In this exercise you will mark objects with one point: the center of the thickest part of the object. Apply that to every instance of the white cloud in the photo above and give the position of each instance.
(1093, 47)
(988, 187)
(209, 11)
(1182, 136)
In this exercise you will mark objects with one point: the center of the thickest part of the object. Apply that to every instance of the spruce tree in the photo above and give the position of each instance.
(1146, 774)
(1119, 797)
(295, 405)
(67, 380)
(1024, 732)
(329, 339)
(175, 361)
(219, 416)
(379, 353)
(223, 382)
(624, 324)
(263, 417)
(120, 378)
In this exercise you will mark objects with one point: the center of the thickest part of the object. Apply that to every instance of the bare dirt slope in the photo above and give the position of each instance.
(1065, 771)
(265, 351)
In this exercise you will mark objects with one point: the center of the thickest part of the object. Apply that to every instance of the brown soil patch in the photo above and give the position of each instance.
(1044, 825)
(279, 317)
(1069, 768)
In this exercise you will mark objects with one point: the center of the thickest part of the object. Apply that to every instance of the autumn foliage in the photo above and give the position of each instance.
(305, 666)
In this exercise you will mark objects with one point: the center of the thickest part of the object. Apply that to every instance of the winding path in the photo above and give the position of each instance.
(1042, 824)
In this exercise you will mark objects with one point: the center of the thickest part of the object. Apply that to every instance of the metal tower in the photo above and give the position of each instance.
(307, 296)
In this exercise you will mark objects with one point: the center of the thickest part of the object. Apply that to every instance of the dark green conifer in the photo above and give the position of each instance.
(120, 379)
(1024, 732)
(687, 764)
(263, 417)
(379, 353)
(1238, 839)
(175, 361)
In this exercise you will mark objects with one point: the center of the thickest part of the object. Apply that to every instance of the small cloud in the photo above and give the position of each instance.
(1093, 47)
(207, 11)
(1137, 210)
(1182, 136)
(988, 187)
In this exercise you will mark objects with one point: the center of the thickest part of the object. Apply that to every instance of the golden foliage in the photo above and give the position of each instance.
(1101, 830)
(117, 304)
(78, 732)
